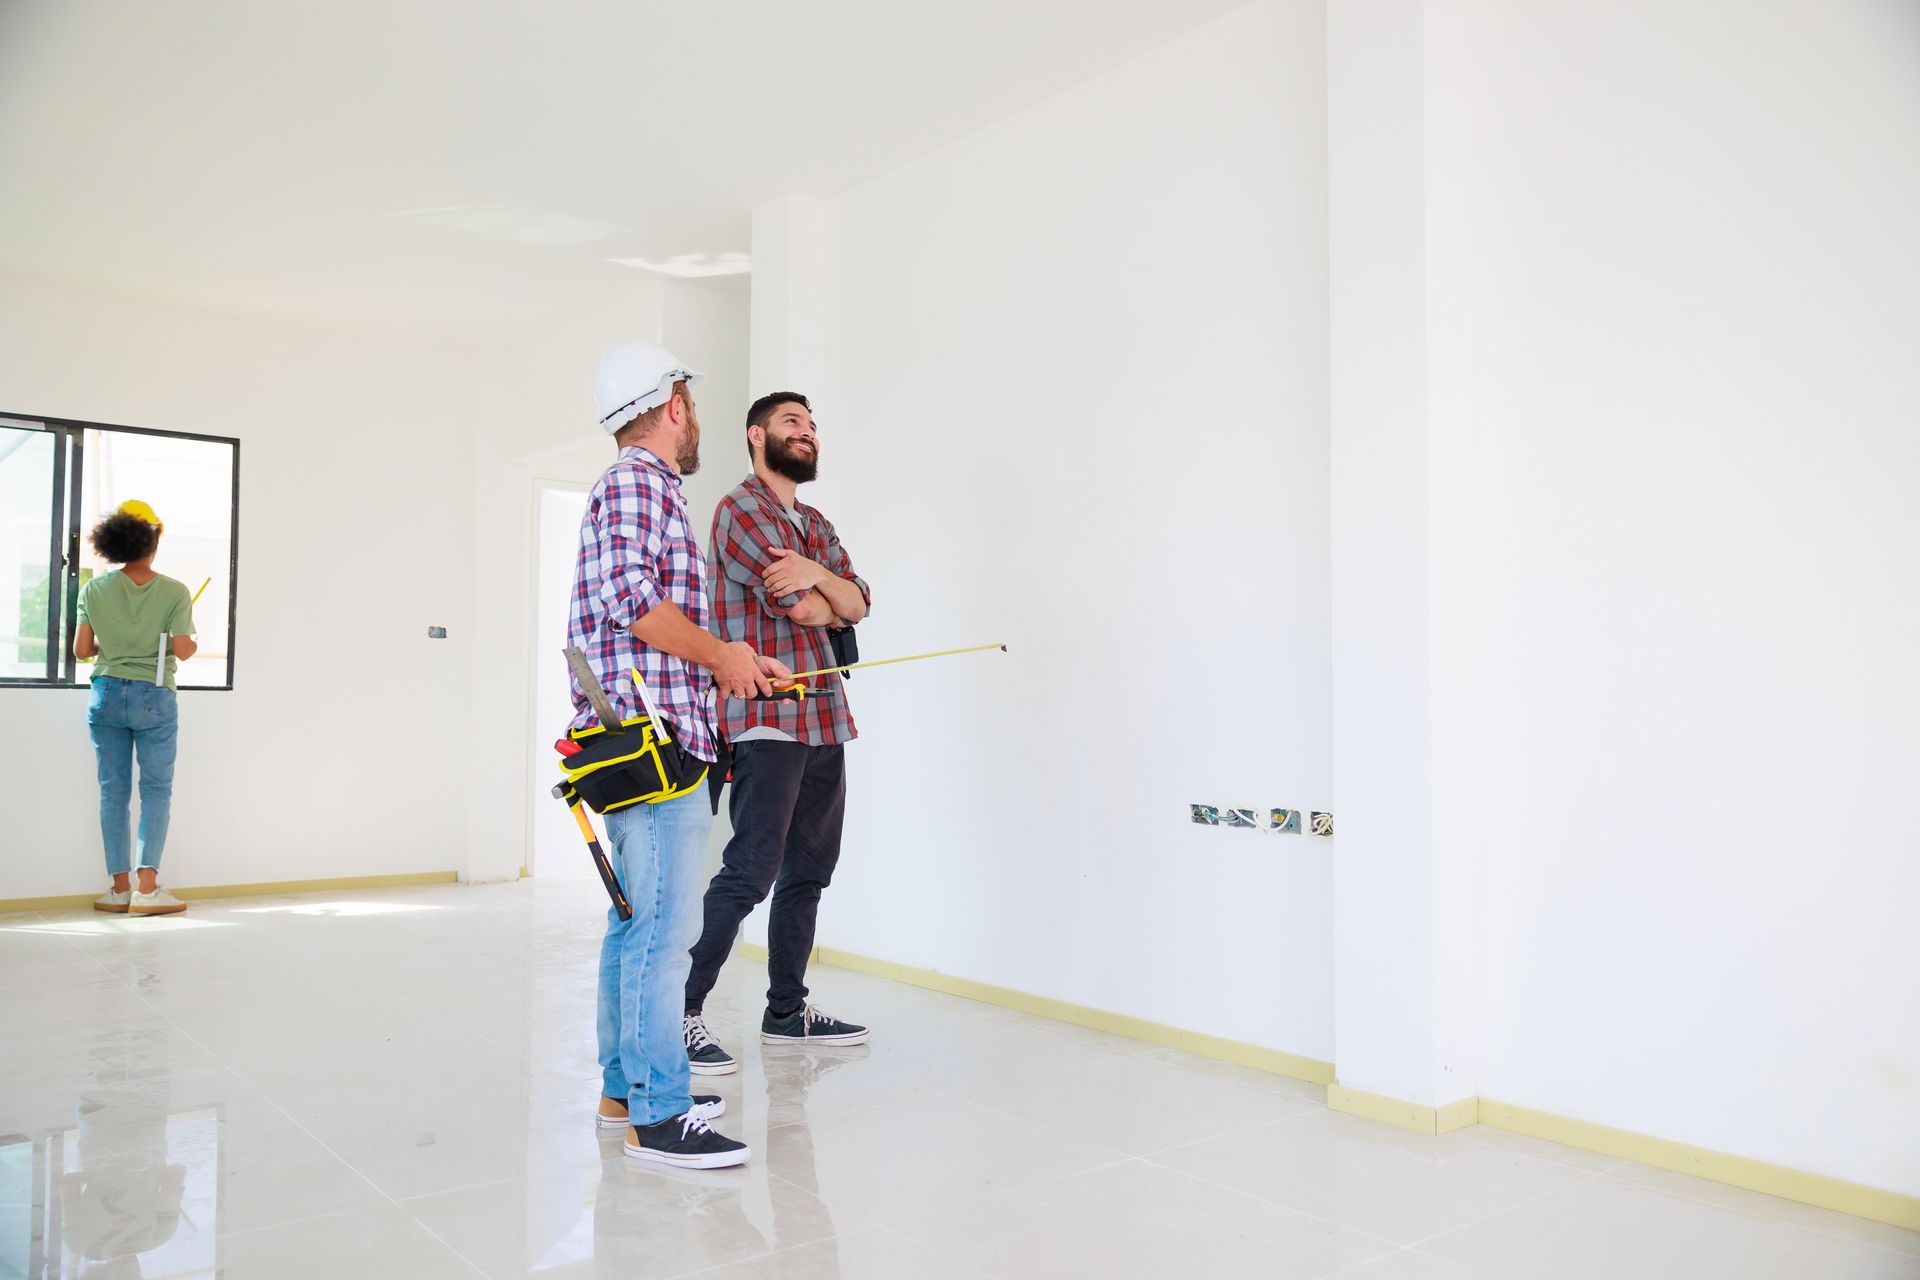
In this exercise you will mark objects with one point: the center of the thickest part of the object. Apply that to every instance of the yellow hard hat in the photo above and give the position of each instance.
(135, 507)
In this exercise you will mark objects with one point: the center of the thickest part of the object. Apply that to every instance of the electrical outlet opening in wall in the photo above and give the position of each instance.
(1274, 821)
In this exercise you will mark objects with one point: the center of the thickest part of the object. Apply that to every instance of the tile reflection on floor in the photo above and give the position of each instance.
(401, 1083)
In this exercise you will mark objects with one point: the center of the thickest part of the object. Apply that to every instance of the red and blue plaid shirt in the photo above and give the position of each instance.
(747, 525)
(636, 551)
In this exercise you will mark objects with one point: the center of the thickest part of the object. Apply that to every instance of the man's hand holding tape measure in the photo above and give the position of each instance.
(738, 672)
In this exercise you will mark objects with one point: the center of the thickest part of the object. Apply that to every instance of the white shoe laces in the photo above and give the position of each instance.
(812, 1015)
(692, 1123)
(694, 1029)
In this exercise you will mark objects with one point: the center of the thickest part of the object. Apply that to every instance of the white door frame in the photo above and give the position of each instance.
(540, 773)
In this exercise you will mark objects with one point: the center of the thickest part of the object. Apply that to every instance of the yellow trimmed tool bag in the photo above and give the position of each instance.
(614, 770)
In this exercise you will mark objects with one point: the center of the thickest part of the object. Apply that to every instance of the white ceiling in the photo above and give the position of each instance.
(472, 167)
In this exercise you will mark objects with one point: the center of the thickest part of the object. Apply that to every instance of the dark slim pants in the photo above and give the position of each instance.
(787, 804)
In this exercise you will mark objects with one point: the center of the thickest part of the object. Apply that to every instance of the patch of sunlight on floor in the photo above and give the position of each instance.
(338, 908)
(117, 924)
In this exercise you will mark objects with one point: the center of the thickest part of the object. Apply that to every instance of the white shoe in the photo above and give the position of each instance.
(157, 903)
(114, 900)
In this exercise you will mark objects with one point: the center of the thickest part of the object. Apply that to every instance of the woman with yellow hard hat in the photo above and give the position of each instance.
(124, 617)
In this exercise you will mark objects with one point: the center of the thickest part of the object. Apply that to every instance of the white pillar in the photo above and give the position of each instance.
(791, 262)
(1405, 1004)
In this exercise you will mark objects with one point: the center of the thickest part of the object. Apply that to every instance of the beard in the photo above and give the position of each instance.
(796, 465)
(687, 457)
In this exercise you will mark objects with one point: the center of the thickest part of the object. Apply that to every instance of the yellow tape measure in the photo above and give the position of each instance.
(887, 662)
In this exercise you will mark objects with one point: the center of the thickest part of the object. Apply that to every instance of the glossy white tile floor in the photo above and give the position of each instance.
(401, 1083)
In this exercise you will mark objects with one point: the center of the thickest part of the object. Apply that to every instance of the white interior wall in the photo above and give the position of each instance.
(1675, 301)
(1670, 307)
(384, 487)
(354, 511)
(706, 326)
(1079, 368)
(537, 425)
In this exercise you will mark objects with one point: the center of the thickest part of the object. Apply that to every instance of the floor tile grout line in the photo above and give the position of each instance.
(120, 951)
(364, 1177)
(863, 1110)
(1357, 1267)
(1002, 1193)
(1750, 1214)
(399, 1205)
(1265, 1124)
(314, 1138)
(901, 1235)
(1606, 1176)
(224, 1065)
(1393, 1245)
(295, 1222)
(1023, 1189)
(1041, 1129)
(877, 1227)
(1518, 1204)
(768, 1253)
(462, 1189)
(1482, 1144)
(948, 1255)
(1309, 1109)
(1329, 1221)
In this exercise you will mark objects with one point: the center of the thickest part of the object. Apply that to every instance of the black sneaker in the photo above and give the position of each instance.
(705, 1057)
(686, 1141)
(708, 1106)
(807, 1025)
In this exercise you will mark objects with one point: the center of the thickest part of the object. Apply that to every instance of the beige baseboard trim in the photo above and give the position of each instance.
(1815, 1189)
(1119, 1024)
(1402, 1114)
(264, 889)
(1872, 1203)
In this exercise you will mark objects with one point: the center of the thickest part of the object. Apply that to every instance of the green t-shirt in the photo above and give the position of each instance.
(129, 619)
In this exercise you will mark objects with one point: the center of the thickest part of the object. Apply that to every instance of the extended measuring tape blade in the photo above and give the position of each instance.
(887, 662)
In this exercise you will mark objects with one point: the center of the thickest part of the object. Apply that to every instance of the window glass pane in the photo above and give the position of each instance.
(26, 520)
(189, 485)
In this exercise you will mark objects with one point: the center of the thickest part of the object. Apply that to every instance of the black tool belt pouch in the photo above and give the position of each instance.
(614, 770)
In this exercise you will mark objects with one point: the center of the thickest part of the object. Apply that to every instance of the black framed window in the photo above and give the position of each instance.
(60, 476)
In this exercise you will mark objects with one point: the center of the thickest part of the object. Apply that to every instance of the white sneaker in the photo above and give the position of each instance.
(157, 903)
(114, 900)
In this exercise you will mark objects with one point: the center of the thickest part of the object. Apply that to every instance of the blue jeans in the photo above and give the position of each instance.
(659, 854)
(125, 717)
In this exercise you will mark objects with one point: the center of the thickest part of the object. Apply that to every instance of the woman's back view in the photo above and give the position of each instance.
(136, 625)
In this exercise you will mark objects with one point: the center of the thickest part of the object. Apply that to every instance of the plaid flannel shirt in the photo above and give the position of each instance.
(637, 550)
(747, 525)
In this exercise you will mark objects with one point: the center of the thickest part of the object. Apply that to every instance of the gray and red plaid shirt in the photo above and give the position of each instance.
(747, 525)
(636, 551)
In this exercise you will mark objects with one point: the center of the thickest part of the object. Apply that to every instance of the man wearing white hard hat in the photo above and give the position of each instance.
(640, 607)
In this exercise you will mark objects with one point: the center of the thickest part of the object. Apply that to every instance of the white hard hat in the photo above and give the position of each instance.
(633, 377)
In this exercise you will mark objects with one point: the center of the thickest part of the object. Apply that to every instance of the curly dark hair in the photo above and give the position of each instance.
(761, 412)
(122, 539)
